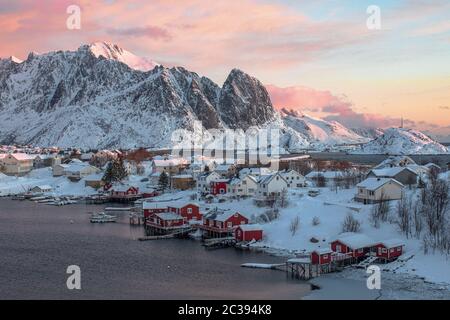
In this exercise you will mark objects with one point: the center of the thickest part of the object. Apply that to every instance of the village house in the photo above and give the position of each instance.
(94, 181)
(226, 170)
(75, 170)
(321, 256)
(86, 156)
(150, 208)
(433, 166)
(124, 192)
(204, 181)
(293, 179)
(396, 161)
(165, 221)
(373, 190)
(243, 187)
(46, 160)
(356, 245)
(219, 186)
(403, 175)
(248, 232)
(388, 250)
(182, 181)
(17, 164)
(218, 223)
(271, 185)
(188, 210)
(170, 166)
(41, 189)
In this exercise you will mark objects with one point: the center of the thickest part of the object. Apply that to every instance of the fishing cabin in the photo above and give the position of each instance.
(355, 244)
(190, 211)
(219, 223)
(388, 250)
(248, 232)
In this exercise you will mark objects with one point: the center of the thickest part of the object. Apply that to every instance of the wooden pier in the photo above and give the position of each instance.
(217, 243)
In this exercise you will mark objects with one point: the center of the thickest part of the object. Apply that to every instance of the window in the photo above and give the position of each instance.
(384, 250)
(229, 224)
(325, 256)
(399, 249)
(391, 251)
(189, 210)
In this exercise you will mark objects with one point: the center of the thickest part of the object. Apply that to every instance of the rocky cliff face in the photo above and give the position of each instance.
(92, 98)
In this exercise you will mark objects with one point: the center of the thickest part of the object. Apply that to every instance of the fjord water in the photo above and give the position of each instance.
(38, 242)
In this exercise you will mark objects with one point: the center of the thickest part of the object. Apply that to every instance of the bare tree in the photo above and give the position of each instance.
(321, 181)
(351, 224)
(295, 225)
(404, 215)
(380, 211)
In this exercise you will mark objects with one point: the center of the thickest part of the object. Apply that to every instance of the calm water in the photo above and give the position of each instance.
(38, 242)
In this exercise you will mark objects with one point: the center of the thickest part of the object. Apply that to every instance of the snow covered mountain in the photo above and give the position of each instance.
(403, 141)
(82, 98)
(314, 133)
(114, 52)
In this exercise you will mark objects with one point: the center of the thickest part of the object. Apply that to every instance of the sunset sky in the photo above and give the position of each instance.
(316, 56)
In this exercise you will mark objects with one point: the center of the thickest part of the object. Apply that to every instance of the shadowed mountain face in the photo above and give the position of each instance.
(92, 98)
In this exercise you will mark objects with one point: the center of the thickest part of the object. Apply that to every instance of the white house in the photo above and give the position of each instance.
(41, 189)
(271, 185)
(170, 166)
(16, 163)
(245, 186)
(204, 180)
(225, 170)
(293, 179)
(396, 161)
(75, 170)
(373, 190)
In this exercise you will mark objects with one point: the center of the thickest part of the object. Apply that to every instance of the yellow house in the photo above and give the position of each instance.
(16, 164)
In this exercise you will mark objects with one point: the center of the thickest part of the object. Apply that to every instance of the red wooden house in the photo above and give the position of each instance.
(321, 256)
(120, 191)
(388, 250)
(150, 208)
(220, 223)
(219, 186)
(188, 210)
(165, 220)
(355, 244)
(248, 232)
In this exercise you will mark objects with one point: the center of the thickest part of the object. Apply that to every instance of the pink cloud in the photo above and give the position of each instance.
(330, 106)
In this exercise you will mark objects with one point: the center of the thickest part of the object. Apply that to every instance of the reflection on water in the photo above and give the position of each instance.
(38, 242)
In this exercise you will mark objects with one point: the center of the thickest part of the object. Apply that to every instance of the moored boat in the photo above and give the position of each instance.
(102, 217)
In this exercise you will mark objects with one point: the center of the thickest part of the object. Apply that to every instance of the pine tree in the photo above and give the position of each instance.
(115, 171)
(163, 182)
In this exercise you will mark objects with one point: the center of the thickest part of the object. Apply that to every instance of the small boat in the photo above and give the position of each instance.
(102, 217)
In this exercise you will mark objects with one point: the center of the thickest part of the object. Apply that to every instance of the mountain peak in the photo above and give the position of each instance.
(112, 51)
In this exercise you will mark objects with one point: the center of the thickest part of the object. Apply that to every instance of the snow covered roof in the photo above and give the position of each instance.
(168, 216)
(21, 156)
(220, 215)
(395, 161)
(223, 167)
(376, 183)
(181, 204)
(255, 171)
(76, 166)
(391, 172)
(250, 227)
(323, 251)
(392, 243)
(355, 240)
(182, 176)
(267, 178)
(154, 205)
(432, 165)
(122, 187)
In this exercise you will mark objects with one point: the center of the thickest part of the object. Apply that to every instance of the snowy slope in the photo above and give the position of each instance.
(319, 133)
(403, 141)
